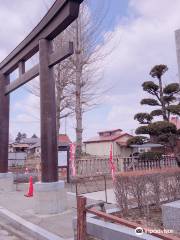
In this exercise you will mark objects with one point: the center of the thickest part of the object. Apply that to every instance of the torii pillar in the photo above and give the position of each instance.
(50, 193)
(6, 178)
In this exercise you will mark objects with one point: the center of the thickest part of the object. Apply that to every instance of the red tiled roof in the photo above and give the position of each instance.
(106, 138)
(63, 138)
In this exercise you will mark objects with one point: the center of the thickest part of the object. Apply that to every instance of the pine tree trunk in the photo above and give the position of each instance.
(165, 118)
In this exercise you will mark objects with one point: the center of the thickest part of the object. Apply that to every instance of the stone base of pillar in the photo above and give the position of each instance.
(50, 198)
(6, 182)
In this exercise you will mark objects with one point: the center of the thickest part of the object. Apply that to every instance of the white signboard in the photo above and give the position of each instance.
(62, 158)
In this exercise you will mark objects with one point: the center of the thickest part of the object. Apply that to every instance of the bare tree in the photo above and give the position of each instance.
(63, 83)
(89, 51)
(63, 79)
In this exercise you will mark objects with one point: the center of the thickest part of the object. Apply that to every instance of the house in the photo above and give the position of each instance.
(29, 141)
(34, 152)
(63, 141)
(35, 149)
(18, 147)
(101, 144)
(146, 147)
(17, 152)
(23, 145)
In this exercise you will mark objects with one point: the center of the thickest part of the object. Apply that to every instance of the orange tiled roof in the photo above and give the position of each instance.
(63, 138)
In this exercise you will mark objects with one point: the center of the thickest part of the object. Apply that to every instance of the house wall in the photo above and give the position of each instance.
(38, 150)
(103, 148)
(122, 151)
(98, 148)
(10, 148)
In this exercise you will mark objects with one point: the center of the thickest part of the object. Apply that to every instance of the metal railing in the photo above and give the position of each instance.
(83, 185)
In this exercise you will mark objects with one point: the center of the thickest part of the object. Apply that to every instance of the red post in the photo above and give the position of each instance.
(81, 218)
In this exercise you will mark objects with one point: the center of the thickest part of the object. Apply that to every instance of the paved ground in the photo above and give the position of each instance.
(100, 195)
(59, 224)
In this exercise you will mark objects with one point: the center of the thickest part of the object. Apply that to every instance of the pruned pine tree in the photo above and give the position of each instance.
(164, 100)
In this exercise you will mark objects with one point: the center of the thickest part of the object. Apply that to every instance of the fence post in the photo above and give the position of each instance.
(81, 218)
(105, 188)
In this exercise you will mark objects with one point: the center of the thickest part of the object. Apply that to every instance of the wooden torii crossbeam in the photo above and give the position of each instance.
(58, 18)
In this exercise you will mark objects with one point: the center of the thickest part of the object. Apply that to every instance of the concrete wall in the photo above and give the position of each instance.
(106, 231)
(171, 215)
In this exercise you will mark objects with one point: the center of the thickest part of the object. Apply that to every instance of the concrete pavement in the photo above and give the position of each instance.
(22, 208)
(7, 235)
(60, 224)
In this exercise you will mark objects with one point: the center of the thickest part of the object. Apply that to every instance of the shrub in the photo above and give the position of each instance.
(144, 188)
(150, 155)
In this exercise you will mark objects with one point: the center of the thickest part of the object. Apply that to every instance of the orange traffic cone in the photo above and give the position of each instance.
(30, 192)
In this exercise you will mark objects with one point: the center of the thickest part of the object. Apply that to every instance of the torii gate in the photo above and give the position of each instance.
(58, 18)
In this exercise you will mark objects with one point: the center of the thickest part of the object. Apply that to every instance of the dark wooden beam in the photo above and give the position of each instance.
(4, 124)
(61, 54)
(25, 77)
(21, 68)
(49, 155)
(59, 17)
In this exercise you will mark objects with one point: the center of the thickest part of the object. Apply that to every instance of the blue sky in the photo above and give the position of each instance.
(142, 36)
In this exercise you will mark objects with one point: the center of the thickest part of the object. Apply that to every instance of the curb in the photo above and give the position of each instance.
(32, 230)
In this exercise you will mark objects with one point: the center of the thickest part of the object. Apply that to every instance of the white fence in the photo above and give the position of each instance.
(96, 165)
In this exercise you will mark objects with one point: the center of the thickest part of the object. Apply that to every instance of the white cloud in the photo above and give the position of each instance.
(25, 115)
